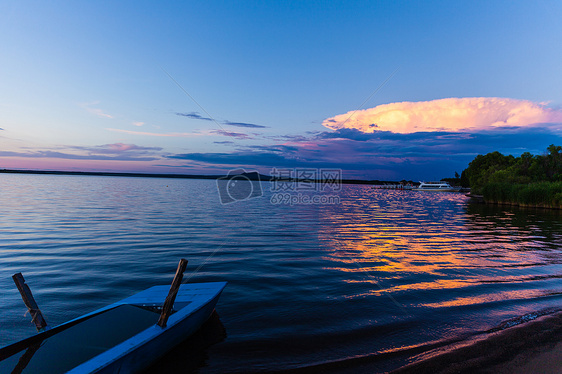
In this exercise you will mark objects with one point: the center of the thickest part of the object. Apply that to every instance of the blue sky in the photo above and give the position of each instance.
(204, 87)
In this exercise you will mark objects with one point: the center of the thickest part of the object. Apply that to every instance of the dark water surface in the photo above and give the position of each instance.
(369, 281)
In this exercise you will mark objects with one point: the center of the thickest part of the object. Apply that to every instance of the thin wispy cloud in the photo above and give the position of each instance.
(236, 135)
(105, 152)
(195, 115)
(117, 148)
(236, 158)
(138, 124)
(71, 156)
(143, 133)
(90, 107)
(243, 124)
(451, 114)
(285, 138)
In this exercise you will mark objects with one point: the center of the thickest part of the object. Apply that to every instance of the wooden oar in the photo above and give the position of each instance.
(27, 296)
(169, 302)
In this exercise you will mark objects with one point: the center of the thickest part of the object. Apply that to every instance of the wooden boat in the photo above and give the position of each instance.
(123, 337)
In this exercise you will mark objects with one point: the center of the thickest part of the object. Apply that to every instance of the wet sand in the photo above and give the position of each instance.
(531, 347)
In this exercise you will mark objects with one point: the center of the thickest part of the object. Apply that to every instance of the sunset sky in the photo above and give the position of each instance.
(381, 89)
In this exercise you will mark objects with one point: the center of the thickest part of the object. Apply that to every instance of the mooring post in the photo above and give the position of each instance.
(27, 296)
(169, 302)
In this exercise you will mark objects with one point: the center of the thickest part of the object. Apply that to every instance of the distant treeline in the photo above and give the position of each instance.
(527, 180)
(251, 176)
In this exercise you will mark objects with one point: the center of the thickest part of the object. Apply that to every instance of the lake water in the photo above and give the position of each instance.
(365, 283)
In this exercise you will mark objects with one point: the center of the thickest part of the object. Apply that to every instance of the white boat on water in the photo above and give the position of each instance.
(437, 186)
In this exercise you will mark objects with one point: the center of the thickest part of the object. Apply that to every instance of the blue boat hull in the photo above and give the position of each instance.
(147, 354)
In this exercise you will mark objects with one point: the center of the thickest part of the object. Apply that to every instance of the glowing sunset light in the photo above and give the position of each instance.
(451, 114)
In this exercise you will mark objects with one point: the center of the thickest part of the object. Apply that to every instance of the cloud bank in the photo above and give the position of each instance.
(451, 114)
(383, 155)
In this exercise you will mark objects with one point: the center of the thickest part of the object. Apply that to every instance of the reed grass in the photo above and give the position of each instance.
(539, 194)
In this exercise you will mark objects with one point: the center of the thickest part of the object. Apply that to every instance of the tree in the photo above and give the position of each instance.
(553, 163)
(482, 168)
(497, 168)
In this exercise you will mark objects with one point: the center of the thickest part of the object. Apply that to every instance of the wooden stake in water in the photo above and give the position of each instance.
(169, 302)
(25, 291)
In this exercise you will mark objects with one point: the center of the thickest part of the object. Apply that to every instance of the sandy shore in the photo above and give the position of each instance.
(532, 347)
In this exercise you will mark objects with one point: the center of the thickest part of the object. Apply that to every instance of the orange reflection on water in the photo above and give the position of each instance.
(396, 244)
(487, 298)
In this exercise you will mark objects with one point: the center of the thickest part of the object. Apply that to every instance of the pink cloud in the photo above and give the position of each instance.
(121, 147)
(96, 111)
(451, 114)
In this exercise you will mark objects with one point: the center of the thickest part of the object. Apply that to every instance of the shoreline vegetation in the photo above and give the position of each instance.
(526, 181)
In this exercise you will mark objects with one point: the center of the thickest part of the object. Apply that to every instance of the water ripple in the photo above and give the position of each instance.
(381, 273)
